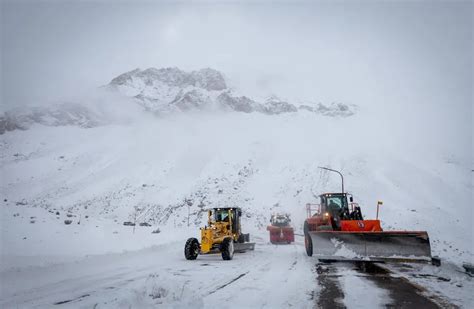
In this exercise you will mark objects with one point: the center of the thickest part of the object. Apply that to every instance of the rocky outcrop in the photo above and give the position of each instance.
(273, 106)
(207, 78)
(238, 103)
(60, 115)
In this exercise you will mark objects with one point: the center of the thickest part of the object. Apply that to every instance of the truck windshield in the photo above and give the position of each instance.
(280, 221)
(221, 215)
(336, 202)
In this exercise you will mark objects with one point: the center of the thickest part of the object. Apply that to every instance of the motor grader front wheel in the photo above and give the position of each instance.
(227, 249)
(191, 249)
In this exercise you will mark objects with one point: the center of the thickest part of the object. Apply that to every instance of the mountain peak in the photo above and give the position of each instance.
(207, 78)
(124, 77)
(169, 89)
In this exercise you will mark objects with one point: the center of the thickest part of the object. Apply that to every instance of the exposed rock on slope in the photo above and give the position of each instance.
(274, 105)
(239, 104)
(170, 89)
(208, 79)
(60, 115)
(332, 110)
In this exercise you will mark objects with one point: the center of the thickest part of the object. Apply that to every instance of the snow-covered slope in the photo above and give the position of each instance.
(87, 111)
(160, 170)
(67, 190)
(59, 115)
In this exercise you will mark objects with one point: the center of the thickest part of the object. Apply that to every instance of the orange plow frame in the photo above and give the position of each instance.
(364, 240)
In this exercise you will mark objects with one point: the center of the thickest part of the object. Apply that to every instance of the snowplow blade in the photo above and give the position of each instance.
(242, 247)
(393, 245)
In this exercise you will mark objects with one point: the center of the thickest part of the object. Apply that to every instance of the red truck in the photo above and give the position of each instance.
(280, 229)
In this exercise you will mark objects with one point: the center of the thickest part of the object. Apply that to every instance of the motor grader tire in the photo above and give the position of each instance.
(227, 249)
(191, 249)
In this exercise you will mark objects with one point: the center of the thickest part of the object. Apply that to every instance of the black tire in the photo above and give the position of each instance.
(247, 237)
(227, 249)
(191, 249)
(308, 243)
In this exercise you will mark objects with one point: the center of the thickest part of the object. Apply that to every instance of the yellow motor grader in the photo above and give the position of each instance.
(222, 234)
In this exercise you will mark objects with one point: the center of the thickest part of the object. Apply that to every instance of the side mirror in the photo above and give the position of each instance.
(209, 213)
(351, 199)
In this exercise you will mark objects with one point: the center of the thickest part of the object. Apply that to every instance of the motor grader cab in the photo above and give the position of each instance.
(223, 233)
(335, 228)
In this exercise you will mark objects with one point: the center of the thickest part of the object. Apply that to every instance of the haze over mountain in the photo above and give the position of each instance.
(160, 91)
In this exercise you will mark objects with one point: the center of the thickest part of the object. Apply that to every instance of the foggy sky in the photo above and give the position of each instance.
(414, 53)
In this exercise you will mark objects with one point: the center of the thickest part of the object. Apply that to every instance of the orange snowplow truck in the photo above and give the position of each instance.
(335, 229)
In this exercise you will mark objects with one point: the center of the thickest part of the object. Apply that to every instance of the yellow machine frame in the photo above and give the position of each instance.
(215, 233)
(222, 234)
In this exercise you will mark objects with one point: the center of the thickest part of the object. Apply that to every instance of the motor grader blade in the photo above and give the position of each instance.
(390, 245)
(242, 247)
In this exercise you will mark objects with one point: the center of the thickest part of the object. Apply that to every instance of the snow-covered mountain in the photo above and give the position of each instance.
(65, 114)
(162, 92)
(170, 89)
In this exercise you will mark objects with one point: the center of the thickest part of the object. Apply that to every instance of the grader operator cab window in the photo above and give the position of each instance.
(221, 215)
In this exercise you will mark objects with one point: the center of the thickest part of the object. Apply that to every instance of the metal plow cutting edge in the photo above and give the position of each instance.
(243, 247)
(377, 246)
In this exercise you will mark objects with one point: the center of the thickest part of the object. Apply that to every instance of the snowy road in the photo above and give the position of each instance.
(348, 285)
(270, 277)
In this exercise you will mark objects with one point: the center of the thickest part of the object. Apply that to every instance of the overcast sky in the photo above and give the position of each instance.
(405, 52)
